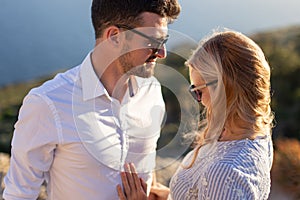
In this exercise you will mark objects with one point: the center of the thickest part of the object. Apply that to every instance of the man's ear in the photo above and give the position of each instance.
(113, 35)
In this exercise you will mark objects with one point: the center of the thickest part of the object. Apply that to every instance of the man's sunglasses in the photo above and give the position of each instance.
(196, 90)
(154, 43)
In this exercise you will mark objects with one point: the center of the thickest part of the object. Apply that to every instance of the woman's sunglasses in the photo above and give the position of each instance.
(196, 90)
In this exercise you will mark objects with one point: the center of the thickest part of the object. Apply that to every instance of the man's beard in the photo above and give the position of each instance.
(142, 71)
(145, 71)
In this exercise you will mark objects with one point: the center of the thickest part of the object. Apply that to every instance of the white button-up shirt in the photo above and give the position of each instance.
(72, 134)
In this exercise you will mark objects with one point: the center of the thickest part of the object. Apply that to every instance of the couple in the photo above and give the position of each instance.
(77, 131)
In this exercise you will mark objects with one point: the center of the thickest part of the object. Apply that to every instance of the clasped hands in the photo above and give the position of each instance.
(135, 188)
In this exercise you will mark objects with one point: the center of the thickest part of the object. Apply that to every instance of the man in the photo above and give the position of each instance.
(76, 131)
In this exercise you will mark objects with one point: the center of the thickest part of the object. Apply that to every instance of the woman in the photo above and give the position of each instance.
(233, 155)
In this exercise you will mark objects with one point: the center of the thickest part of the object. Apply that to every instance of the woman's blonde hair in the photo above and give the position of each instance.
(240, 101)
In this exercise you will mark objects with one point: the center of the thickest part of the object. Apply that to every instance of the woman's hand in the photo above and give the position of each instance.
(159, 192)
(135, 188)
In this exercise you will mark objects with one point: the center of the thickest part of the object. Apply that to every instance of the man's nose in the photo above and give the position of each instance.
(162, 52)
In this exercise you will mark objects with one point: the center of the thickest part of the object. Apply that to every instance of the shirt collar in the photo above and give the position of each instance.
(91, 85)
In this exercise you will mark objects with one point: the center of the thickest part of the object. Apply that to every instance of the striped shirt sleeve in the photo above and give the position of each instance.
(226, 181)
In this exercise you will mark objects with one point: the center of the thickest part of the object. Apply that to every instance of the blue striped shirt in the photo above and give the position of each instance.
(228, 170)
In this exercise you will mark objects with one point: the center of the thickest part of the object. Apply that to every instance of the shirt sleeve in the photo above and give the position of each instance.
(225, 181)
(33, 144)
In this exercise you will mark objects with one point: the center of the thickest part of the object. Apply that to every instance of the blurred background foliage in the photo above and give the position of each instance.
(282, 49)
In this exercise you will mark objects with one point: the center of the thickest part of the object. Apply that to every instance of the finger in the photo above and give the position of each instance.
(125, 183)
(129, 176)
(144, 185)
(154, 181)
(134, 174)
(120, 193)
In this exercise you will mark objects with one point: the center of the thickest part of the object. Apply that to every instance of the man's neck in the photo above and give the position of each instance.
(116, 86)
(111, 76)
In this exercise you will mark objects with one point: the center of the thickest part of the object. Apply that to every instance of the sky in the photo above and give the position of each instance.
(40, 37)
(198, 17)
